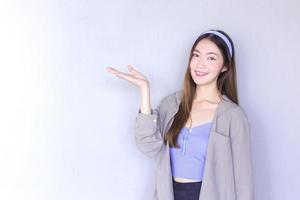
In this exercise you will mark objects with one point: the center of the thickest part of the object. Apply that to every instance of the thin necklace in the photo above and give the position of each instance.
(209, 101)
(212, 102)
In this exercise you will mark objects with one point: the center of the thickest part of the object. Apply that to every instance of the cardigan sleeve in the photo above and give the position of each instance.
(148, 135)
(241, 153)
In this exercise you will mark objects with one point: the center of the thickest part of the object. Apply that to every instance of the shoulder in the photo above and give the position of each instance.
(238, 117)
(230, 108)
(169, 98)
(235, 118)
(232, 113)
(168, 103)
(237, 112)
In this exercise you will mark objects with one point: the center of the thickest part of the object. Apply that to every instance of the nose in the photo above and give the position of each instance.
(201, 63)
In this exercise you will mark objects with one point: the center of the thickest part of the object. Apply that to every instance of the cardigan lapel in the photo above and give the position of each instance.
(174, 106)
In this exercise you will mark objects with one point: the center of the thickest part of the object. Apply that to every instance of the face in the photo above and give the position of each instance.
(206, 63)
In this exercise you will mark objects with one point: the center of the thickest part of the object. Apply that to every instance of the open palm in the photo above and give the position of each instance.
(135, 77)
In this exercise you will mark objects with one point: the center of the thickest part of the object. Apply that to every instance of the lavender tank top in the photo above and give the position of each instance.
(188, 160)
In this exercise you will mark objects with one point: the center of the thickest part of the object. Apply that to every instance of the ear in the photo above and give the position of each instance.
(224, 69)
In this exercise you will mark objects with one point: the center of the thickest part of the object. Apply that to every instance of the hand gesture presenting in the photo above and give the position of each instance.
(135, 77)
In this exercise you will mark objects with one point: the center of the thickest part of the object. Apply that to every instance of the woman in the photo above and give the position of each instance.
(200, 133)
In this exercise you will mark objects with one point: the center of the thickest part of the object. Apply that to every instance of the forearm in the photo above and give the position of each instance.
(145, 107)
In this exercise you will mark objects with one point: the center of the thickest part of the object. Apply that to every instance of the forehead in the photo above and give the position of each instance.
(205, 45)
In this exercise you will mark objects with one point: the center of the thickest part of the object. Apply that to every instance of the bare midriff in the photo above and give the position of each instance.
(184, 180)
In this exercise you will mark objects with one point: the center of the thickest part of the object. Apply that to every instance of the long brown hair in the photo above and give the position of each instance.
(226, 83)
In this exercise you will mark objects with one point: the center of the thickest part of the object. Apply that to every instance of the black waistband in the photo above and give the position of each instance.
(188, 185)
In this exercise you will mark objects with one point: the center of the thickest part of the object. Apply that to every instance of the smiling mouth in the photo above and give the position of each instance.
(198, 73)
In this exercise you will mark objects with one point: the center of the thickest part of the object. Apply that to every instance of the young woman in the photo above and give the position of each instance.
(200, 133)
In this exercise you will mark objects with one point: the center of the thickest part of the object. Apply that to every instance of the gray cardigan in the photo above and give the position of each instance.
(228, 166)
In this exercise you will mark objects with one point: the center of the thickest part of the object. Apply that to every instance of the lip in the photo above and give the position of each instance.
(200, 73)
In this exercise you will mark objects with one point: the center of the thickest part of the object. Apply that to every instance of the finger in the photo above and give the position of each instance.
(126, 77)
(112, 70)
(109, 69)
(133, 71)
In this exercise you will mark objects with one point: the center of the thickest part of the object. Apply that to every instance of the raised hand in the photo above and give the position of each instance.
(135, 77)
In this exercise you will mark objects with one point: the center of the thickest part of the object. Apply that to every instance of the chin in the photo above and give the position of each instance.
(202, 82)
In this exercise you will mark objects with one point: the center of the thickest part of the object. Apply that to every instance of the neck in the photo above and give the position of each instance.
(207, 92)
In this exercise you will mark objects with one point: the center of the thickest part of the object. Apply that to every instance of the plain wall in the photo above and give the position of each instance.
(67, 124)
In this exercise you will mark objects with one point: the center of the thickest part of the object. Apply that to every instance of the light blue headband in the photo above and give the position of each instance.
(223, 37)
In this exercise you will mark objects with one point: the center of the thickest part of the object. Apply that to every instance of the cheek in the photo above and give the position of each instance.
(191, 71)
(216, 67)
(215, 71)
(193, 62)
(192, 66)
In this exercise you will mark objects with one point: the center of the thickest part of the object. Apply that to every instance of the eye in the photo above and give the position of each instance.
(195, 55)
(211, 58)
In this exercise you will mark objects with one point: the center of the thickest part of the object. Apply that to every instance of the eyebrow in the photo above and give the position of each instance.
(207, 52)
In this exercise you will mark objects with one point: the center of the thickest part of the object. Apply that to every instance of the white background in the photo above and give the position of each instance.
(67, 124)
